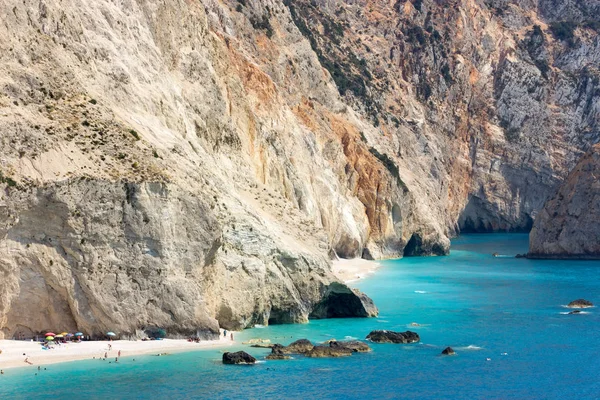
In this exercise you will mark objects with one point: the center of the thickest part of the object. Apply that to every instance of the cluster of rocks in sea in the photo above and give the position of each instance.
(335, 348)
(305, 347)
(331, 348)
(579, 303)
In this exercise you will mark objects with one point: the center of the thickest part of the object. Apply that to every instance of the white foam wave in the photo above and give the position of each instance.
(576, 308)
(350, 338)
(415, 325)
(420, 291)
(569, 312)
(259, 326)
(382, 320)
(470, 347)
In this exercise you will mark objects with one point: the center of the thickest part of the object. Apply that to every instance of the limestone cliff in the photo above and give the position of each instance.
(569, 224)
(194, 163)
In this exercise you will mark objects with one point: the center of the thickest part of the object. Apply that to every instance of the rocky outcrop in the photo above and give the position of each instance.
(339, 302)
(352, 345)
(569, 224)
(448, 351)
(300, 346)
(382, 336)
(333, 348)
(277, 353)
(328, 351)
(239, 357)
(580, 303)
(109, 243)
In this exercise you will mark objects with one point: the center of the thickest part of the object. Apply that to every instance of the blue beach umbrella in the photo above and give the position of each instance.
(111, 334)
(79, 334)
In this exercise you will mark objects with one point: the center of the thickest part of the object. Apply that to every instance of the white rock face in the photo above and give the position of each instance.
(187, 164)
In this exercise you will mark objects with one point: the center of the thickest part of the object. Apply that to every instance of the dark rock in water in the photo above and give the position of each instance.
(353, 345)
(393, 337)
(580, 303)
(575, 312)
(521, 256)
(328, 351)
(277, 353)
(496, 254)
(301, 346)
(448, 351)
(339, 301)
(239, 357)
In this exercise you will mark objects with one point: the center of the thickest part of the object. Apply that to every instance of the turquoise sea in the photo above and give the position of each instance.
(503, 316)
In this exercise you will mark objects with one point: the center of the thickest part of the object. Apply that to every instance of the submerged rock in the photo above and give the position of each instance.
(239, 357)
(575, 312)
(448, 351)
(382, 336)
(277, 356)
(329, 351)
(580, 303)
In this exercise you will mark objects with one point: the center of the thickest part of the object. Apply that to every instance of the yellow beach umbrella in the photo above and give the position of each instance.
(59, 336)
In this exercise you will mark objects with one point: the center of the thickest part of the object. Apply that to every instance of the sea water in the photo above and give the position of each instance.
(504, 317)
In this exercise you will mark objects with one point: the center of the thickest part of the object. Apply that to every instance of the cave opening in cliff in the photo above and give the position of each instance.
(341, 305)
(413, 246)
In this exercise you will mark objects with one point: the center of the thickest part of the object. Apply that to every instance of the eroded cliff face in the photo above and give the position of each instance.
(569, 224)
(484, 106)
(188, 163)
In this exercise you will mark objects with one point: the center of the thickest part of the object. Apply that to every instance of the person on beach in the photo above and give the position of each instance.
(105, 355)
(232, 337)
(109, 347)
(119, 354)
(1, 372)
(224, 332)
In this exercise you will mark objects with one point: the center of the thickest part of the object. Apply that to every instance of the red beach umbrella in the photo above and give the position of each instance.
(50, 334)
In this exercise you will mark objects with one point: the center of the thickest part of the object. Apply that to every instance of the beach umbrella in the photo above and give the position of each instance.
(111, 334)
(79, 334)
(69, 335)
(49, 338)
(59, 336)
(64, 333)
(50, 334)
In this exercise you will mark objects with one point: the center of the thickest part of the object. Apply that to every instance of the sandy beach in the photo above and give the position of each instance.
(14, 352)
(353, 269)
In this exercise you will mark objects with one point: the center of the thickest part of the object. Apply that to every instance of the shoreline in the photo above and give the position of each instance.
(14, 352)
(355, 269)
